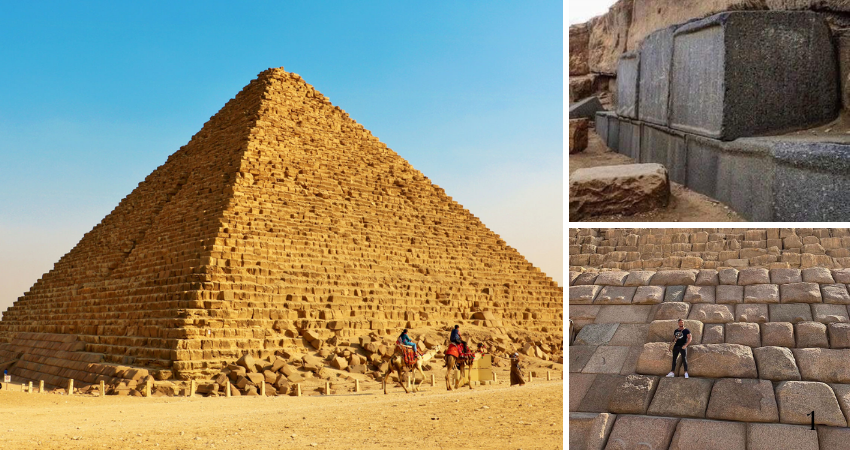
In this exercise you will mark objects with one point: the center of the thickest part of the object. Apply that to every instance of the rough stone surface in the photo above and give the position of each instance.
(607, 359)
(624, 314)
(753, 275)
(791, 313)
(578, 135)
(596, 334)
(648, 295)
(638, 278)
(729, 294)
(597, 397)
(579, 356)
(579, 40)
(839, 335)
(630, 334)
(626, 189)
(699, 294)
(585, 109)
(698, 434)
(721, 361)
(835, 294)
(711, 313)
(825, 365)
(681, 397)
(655, 59)
(832, 437)
(583, 315)
(589, 431)
(579, 383)
(743, 333)
(633, 395)
(707, 277)
(764, 436)
(743, 400)
(820, 275)
(662, 330)
(800, 293)
(655, 359)
(728, 276)
(779, 334)
(611, 278)
(627, 85)
(811, 334)
(642, 432)
(674, 278)
(761, 293)
(586, 278)
(583, 295)
(674, 293)
(776, 364)
(608, 38)
(829, 313)
(784, 276)
(615, 295)
(751, 312)
(672, 311)
(798, 398)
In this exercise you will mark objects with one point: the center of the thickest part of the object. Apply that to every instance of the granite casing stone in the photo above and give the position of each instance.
(776, 364)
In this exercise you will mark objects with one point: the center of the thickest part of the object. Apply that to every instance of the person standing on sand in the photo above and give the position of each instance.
(516, 371)
(681, 339)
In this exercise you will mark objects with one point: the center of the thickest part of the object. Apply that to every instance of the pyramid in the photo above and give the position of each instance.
(282, 223)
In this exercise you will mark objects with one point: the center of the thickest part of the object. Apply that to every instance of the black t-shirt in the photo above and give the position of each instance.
(681, 336)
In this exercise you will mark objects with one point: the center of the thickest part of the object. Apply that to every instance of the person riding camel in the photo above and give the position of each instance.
(457, 340)
(404, 339)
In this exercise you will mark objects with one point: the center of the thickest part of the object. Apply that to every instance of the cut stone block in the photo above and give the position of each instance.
(674, 293)
(831, 437)
(579, 356)
(642, 432)
(798, 398)
(583, 315)
(615, 295)
(699, 294)
(841, 275)
(839, 335)
(721, 361)
(751, 312)
(820, 275)
(713, 334)
(586, 108)
(779, 334)
(791, 312)
(773, 436)
(711, 313)
(586, 278)
(596, 334)
(578, 135)
(707, 277)
(656, 57)
(827, 313)
(681, 397)
(712, 90)
(728, 276)
(624, 314)
(629, 139)
(824, 365)
(611, 278)
(729, 294)
(597, 397)
(835, 294)
(638, 278)
(630, 365)
(630, 334)
(785, 276)
(633, 395)
(583, 295)
(811, 335)
(800, 293)
(628, 71)
(589, 431)
(663, 146)
(776, 364)
(753, 275)
(672, 311)
(607, 359)
(662, 330)
(842, 394)
(579, 384)
(697, 434)
(648, 295)
(655, 359)
(625, 189)
(743, 401)
(743, 334)
(761, 293)
(674, 278)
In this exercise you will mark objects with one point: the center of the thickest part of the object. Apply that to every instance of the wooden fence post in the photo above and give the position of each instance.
(71, 386)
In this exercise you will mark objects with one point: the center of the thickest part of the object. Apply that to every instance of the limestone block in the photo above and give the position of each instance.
(698, 434)
(713, 334)
(779, 334)
(776, 364)
(841, 275)
(773, 436)
(785, 276)
(597, 397)
(827, 313)
(707, 277)
(839, 335)
(674, 278)
(721, 361)
(751, 312)
(586, 278)
(630, 334)
(825, 365)
(638, 278)
(753, 275)
(798, 398)
(811, 335)
(662, 330)
(596, 334)
(699, 294)
(623, 314)
(728, 276)
(800, 293)
(793, 313)
(820, 275)
(615, 295)
(674, 293)
(831, 437)
(655, 359)
(681, 397)
(624, 189)
(743, 333)
(633, 395)
(578, 134)
(711, 313)
(583, 295)
(639, 432)
(607, 359)
(579, 383)
(761, 293)
(589, 431)
(672, 311)
(648, 295)
(835, 294)
(611, 278)
(729, 294)
(744, 400)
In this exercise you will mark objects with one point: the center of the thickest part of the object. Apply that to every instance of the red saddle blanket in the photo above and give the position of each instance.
(408, 354)
(457, 351)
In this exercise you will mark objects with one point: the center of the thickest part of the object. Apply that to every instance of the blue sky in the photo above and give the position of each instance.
(95, 95)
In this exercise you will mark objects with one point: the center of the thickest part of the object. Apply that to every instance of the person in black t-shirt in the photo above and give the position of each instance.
(681, 339)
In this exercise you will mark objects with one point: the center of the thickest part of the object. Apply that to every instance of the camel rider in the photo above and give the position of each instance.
(456, 339)
(404, 339)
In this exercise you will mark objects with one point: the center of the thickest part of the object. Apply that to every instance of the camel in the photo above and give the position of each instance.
(397, 364)
(451, 362)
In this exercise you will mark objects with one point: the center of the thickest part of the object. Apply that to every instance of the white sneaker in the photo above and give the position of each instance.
(671, 375)
(686, 374)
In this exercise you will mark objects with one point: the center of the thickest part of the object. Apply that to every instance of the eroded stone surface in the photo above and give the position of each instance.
(625, 189)
(761, 293)
(776, 364)
(826, 313)
(579, 383)
(699, 294)
(672, 311)
(763, 436)
(835, 293)
(589, 431)
(596, 334)
(779, 334)
(674, 278)
(615, 295)
(800, 293)
(711, 313)
(811, 334)
(743, 400)
(751, 312)
(633, 395)
(793, 312)
(823, 364)
(798, 398)
(606, 359)
(697, 434)
(839, 335)
(642, 432)
(681, 397)
(648, 295)
(721, 361)
(729, 294)
(743, 333)
(583, 295)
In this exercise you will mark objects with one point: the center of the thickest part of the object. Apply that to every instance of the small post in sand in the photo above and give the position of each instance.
(71, 386)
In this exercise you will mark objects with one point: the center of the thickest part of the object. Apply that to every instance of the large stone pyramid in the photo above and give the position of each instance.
(283, 221)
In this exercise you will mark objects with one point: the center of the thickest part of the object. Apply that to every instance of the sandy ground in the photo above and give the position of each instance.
(496, 416)
(685, 204)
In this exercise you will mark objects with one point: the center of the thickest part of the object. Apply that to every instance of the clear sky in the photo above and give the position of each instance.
(95, 95)
(581, 10)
